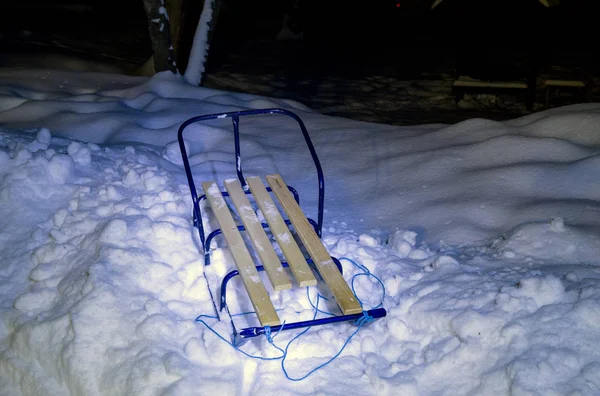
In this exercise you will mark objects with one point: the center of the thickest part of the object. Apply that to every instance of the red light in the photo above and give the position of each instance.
(397, 5)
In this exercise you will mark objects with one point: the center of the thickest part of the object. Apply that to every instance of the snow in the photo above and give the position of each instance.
(199, 51)
(485, 235)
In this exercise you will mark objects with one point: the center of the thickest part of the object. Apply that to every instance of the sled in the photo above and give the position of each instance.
(302, 267)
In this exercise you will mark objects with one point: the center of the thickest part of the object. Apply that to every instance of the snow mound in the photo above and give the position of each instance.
(102, 277)
(552, 242)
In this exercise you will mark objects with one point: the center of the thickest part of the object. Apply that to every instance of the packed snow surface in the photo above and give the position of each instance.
(485, 235)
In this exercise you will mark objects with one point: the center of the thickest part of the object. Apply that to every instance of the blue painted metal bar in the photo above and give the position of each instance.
(245, 334)
(190, 178)
(235, 119)
(235, 115)
(250, 332)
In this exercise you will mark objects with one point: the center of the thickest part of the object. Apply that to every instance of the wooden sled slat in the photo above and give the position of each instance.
(262, 245)
(294, 257)
(323, 261)
(256, 290)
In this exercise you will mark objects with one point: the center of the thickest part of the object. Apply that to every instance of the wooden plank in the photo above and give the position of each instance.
(565, 83)
(550, 3)
(464, 81)
(243, 261)
(262, 245)
(323, 261)
(436, 3)
(546, 3)
(294, 257)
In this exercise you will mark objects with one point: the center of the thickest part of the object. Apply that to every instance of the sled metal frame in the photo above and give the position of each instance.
(243, 335)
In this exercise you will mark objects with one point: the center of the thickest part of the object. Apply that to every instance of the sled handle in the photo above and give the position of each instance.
(235, 118)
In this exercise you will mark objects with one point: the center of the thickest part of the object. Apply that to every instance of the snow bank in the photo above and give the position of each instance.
(462, 184)
(483, 233)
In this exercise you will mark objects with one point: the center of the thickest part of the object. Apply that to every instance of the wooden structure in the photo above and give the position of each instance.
(558, 85)
(546, 3)
(465, 83)
(260, 243)
(260, 236)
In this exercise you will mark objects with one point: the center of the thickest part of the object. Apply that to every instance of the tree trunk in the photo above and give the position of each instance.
(184, 16)
(200, 41)
(184, 23)
(160, 34)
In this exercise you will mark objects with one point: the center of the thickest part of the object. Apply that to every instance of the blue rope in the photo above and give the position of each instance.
(199, 319)
(363, 320)
(367, 273)
(319, 295)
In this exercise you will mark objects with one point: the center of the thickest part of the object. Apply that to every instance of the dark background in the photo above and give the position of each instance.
(379, 31)
(368, 32)
(406, 40)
